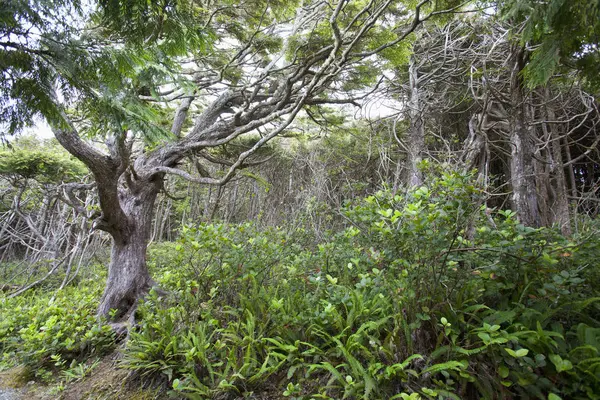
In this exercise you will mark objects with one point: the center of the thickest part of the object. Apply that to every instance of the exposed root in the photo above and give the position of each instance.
(127, 321)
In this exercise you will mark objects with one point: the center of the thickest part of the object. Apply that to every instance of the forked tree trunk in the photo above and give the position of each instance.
(128, 278)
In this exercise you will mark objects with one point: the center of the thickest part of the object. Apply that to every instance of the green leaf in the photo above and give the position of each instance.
(517, 354)
(450, 365)
(522, 352)
(503, 371)
(484, 336)
(560, 364)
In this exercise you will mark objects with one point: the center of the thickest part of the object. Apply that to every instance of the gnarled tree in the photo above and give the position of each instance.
(213, 72)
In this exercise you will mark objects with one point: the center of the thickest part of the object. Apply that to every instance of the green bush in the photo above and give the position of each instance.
(425, 294)
(46, 330)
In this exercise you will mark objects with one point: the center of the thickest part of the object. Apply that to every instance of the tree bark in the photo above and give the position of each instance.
(416, 132)
(128, 278)
(525, 198)
(560, 208)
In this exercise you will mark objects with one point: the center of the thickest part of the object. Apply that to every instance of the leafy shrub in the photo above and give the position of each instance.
(52, 164)
(425, 294)
(40, 329)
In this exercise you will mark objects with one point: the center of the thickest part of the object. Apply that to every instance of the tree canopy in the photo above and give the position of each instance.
(562, 34)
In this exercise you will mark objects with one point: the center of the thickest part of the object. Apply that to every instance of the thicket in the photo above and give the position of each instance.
(425, 294)
(48, 331)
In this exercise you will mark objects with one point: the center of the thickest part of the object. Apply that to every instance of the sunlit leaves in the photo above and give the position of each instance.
(176, 26)
(45, 162)
(397, 55)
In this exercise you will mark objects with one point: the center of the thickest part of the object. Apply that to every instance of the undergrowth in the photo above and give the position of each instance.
(424, 295)
(48, 331)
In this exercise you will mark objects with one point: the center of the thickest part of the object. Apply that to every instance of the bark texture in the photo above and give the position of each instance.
(128, 277)
(415, 142)
(523, 179)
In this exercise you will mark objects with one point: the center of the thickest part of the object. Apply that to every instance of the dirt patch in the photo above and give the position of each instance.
(15, 378)
(105, 382)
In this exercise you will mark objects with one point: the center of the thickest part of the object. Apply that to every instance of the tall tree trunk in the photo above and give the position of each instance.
(562, 215)
(213, 212)
(232, 206)
(207, 210)
(397, 176)
(525, 198)
(560, 208)
(158, 214)
(415, 142)
(43, 213)
(128, 277)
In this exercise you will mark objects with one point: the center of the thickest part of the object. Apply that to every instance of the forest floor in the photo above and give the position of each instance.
(12, 384)
(104, 382)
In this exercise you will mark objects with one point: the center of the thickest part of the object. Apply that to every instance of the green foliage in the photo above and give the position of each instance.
(422, 296)
(426, 294)
(50, 65)
(46, 331)
(565, 32)
(44, 161)
(26, 82)
(173, 25)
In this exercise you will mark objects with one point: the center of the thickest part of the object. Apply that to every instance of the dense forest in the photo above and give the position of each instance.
(316, 199)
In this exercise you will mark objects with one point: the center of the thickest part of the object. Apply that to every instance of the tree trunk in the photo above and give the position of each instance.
(560, 208)
(525, 198)
(128, 278)
(416, 132)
